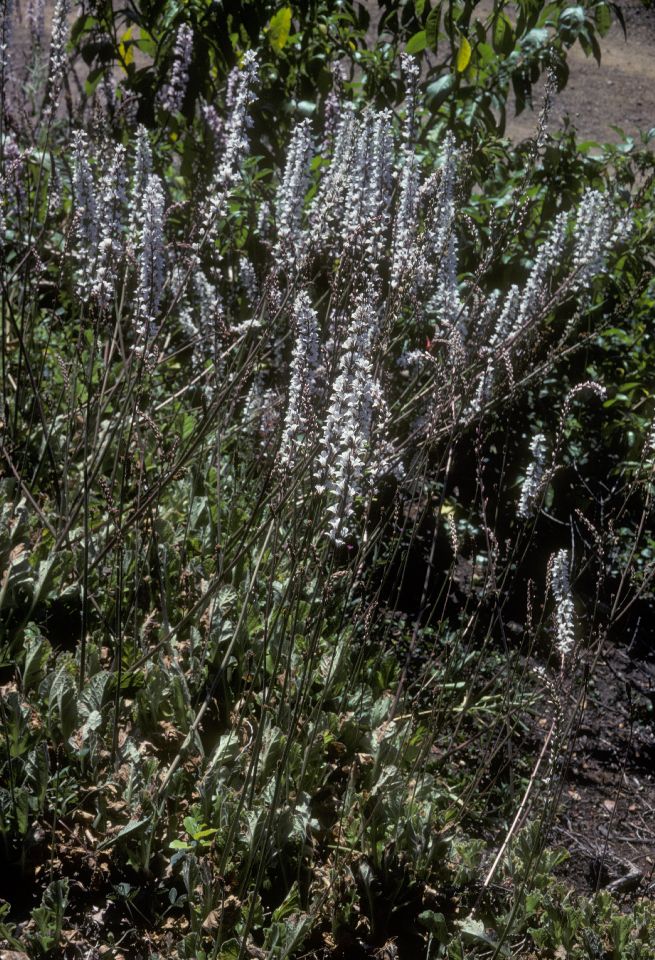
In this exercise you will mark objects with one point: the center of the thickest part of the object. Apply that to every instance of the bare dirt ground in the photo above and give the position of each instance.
(606, 818)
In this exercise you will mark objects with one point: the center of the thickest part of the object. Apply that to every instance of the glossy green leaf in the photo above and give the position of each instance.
(437, 92)
(571, 23)
(535, 39)
(417, 43)
(432, 28)
(503, 35)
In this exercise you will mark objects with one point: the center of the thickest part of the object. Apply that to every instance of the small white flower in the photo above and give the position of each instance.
(560, 585)
(291, 238)
(596, 231)
(304, 363)
(533, 482)
(57, 64)
(151, 259)
(172, 93)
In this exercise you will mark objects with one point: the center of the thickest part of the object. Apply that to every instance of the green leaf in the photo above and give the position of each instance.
(279, 29)
(62, 701)
(95, 693)
(191, 826)
(134, 826)
(125, 51)
(290, 905)
(37, 772)
(146, 44)
(437, 92)
(43, 581)
(179, 845)
(571, 23)
(432, 28)
(619, 16)
(573, 15)
(417, 43)
(603, 18)
(463, 55)
(92, 722)
(593, 43)
(306, 108)
(534, 40)
(21, 804)
(207, 832)
(435, 923)
(188, 427)
(36, 656)
(83, 24)
(93, 79)
(419, 7)
(503, 35)
(231, 950)
(474, 931)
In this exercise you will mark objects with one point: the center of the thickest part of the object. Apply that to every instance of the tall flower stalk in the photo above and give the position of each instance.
(150, 260)
(348, 451)
(57, 66)
(560, 585)
(172, 93)
(298, 421)
(291, 236)
(534, 477)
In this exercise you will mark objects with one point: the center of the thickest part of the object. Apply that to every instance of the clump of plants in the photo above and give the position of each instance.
(294, 609)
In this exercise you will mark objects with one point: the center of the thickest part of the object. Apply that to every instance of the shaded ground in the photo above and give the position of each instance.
(608, 799)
